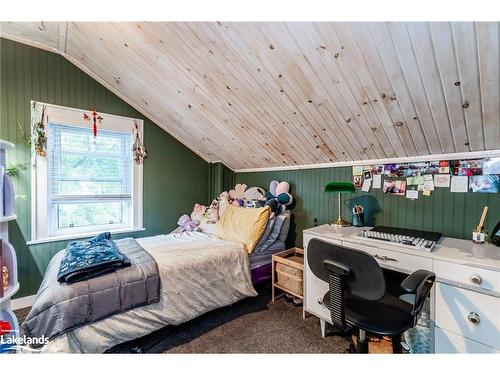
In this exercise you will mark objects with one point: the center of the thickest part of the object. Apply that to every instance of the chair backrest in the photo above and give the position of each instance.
(365, 279)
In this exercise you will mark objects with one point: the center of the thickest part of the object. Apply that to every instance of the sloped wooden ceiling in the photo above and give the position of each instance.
(274, 94)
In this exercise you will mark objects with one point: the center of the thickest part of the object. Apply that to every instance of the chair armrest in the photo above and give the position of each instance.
(337, 268)
(413, 281)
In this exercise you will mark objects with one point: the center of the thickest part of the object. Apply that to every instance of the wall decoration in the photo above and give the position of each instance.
(396, 187)
(94, 117)
(38, 135)
(357, 170)
(366, 185)
(466, 167)
(412, 194)
(138, 148)
(430, 175)
(357, 181)
(442, 180)
(484, 183)
(416, 180)
(491, 166)
(390, 170)
(459, 184)
(444, 166)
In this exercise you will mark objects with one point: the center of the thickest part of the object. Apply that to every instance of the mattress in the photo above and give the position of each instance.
(198, 272)
(263, 258)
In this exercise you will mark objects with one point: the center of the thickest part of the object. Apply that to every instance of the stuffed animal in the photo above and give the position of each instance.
(212, 212)
(186, 224)
(223, 202)
(198, 212)
(278, 196)
(237, 194)
(254, 197)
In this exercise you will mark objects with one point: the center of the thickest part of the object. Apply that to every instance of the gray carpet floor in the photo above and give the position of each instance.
(253, 325)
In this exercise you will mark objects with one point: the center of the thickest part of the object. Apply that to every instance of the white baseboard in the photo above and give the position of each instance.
(21, 303)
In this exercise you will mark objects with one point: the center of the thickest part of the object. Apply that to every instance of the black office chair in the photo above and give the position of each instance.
(357, 295)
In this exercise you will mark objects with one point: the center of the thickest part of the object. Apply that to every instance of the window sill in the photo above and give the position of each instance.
(82, 235)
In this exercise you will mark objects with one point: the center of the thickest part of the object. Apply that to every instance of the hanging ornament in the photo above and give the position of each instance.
(38, 135)
(95, 117)
(138, 148)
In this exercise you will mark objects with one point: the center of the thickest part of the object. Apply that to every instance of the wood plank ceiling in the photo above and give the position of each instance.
(274, 94)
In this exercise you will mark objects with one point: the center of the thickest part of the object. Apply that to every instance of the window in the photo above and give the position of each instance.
(86, 185)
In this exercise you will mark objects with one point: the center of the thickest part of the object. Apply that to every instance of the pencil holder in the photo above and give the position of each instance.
(358, 220)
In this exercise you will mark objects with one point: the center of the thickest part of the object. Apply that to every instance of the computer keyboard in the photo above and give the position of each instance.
(409, 238)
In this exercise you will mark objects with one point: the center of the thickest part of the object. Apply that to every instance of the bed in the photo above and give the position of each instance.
(198, 271)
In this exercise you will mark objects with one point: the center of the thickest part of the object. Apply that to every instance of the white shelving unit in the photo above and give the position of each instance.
(9, 257)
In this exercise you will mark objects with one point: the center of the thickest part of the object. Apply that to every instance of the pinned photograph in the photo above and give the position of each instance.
(367, 175)
(357, 170)
(466, 167)
(357, 181)
(484, 184)
(491, 166)
(442, 180)
(390, 170)
(395, 187)
(378, 169)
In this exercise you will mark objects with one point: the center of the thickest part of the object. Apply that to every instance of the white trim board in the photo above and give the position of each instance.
(408, 159)
(21, 303)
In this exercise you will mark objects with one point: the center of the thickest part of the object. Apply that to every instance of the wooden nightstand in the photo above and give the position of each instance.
(288, 273)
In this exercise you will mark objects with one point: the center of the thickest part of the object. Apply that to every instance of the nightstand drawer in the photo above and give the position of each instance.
(470, 314)
(473, 276)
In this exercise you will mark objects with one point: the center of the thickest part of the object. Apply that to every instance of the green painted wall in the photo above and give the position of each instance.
(453, 214)
(221, 178)
(174, 177)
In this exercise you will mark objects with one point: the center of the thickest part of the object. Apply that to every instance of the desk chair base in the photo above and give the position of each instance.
(360, 346)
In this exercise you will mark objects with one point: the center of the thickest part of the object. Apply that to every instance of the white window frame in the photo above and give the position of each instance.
(41, 214)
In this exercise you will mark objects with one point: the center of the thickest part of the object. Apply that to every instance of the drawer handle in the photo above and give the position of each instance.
(475, 279)
(473, 318)
(384, 258)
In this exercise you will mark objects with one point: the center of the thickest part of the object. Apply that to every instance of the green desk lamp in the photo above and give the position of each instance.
(340, 187)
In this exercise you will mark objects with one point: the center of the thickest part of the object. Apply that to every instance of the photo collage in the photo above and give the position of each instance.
(411, 179)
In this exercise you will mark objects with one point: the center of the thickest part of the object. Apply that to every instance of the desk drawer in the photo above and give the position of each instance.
(394, 259)
(450, 343)
(470, 314)
(308, 238)
(468, 275)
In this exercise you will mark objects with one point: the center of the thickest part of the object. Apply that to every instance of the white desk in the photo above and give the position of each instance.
(467, 285)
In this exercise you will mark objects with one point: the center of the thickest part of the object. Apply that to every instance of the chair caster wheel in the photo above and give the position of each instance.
(351, 349)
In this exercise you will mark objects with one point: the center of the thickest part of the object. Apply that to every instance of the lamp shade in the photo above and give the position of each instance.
(339, 187)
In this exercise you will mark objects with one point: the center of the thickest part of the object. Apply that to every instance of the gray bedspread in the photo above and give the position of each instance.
(61, 307)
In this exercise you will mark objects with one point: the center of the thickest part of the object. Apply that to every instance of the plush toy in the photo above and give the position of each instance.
(237, 194)
(212, 212)
(186, 224)
(198, 212)
(223, 202)
(254, 197)
(278, 196)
